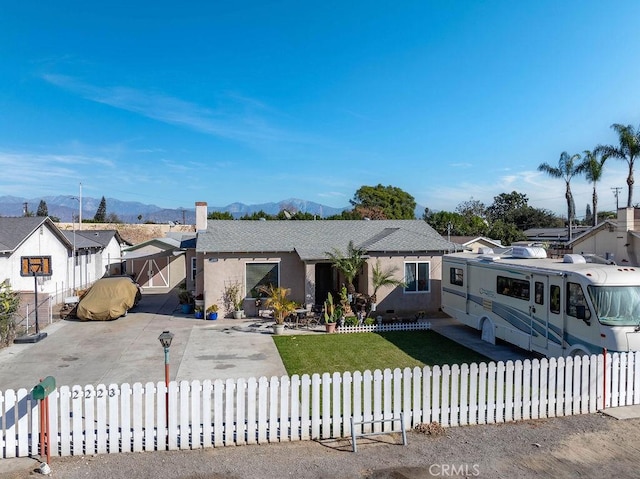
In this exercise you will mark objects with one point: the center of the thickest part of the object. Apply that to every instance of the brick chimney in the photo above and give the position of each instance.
(201, 216)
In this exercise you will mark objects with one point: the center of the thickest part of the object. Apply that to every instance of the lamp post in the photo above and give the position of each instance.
(165, 339)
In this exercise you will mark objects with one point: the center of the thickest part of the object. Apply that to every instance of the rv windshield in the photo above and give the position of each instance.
(616, 305)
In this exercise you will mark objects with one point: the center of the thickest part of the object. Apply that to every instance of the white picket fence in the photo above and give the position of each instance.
(378, 328)
(125, 418)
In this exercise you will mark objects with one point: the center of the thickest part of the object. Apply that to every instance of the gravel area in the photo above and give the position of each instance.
(587, 446)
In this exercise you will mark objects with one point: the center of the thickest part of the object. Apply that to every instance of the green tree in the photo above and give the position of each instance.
(628, 149)
(101, 213)
(42, 209)
(505, 203)
(472, 208)
(348, 264)
(447, 223)
(507, 233)
(567, 168)
(392, 201)
(219, 215)
(258, 215)
(592, 166)
(346, 215)
(9, 302)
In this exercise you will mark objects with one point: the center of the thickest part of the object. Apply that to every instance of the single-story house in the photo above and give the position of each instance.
(22, 238)
(617, 240)
(293, 254)
(474, 243)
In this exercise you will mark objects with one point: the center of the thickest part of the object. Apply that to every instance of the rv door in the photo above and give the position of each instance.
(539, 312)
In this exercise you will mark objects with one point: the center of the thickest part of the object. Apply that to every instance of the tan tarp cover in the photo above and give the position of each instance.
(108, 298)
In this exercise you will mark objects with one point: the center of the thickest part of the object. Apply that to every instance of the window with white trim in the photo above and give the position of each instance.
(261, 274)
(417, 277)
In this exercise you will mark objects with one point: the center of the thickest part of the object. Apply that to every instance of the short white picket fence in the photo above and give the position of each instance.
(124, 418)
(379, 328)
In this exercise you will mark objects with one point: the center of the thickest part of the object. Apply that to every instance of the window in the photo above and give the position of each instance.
(515, 288)
(193, 268)
(539, 292)
(261, 274)
(554, 303)
(416, 277)
(576, 300)
(456, 276)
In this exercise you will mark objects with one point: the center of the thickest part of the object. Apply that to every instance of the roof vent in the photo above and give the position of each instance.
(574, 258)
(528, 252)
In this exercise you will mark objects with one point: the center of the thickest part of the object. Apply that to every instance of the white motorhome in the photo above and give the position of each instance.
(557, 307)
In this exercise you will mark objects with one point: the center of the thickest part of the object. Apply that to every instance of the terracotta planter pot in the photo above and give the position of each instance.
(331, 327)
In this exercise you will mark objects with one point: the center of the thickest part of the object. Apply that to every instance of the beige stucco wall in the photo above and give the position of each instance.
(395, 298)
(231, 268)
(300, 279)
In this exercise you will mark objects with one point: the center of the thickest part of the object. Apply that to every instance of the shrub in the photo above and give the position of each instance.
(9, 302)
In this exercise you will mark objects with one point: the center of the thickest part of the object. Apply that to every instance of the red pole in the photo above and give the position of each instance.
(42, 426)
(604, 379)
(46, 420)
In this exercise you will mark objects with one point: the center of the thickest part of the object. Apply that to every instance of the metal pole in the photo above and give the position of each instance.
(166, 381)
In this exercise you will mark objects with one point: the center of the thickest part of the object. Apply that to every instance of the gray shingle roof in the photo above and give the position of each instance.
(81, 241)
(312, 239)
(14, 230)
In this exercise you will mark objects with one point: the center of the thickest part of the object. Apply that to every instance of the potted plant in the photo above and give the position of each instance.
(212, 312)
(199, 301)
(331, 314)
(277, 300)
(198, 312)
(186, 301)
(233, 300)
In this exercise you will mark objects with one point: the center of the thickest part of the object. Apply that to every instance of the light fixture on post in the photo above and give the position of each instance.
(165, 339)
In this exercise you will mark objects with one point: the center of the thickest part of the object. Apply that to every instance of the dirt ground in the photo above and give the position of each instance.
(588, 446)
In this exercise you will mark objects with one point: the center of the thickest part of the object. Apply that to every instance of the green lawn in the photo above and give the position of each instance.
(308, 354)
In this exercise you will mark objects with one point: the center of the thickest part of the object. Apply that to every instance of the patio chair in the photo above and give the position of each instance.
(312, 318)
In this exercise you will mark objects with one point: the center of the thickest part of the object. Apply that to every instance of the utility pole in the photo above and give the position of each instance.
(80, 209)
(616, 191)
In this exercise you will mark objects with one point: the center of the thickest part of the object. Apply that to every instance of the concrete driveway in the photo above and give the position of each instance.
(127, 350)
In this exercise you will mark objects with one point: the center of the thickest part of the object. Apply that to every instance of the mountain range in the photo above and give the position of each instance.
(66, 208)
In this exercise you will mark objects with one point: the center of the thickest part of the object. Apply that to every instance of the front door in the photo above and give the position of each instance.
(539, 312)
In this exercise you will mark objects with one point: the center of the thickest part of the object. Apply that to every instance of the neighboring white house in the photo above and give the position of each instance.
(474, 243)
(29, 237)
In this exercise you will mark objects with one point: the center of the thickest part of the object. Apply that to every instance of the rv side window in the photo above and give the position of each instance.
(516, 288)
(456, 277)
(539, 292)
(554, 303)
(576, 301)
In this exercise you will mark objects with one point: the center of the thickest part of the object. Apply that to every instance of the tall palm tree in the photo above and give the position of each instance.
(566, 169)
(627, 150)
(592, 168)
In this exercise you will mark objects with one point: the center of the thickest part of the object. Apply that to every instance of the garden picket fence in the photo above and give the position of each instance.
(128, 418)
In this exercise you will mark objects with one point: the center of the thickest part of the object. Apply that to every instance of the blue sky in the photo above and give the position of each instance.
(170, 103)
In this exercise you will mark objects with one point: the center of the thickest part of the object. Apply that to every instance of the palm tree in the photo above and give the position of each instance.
(592, 167)
(628, 150)
(381, 278)
(566, 169)
(349, 265)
